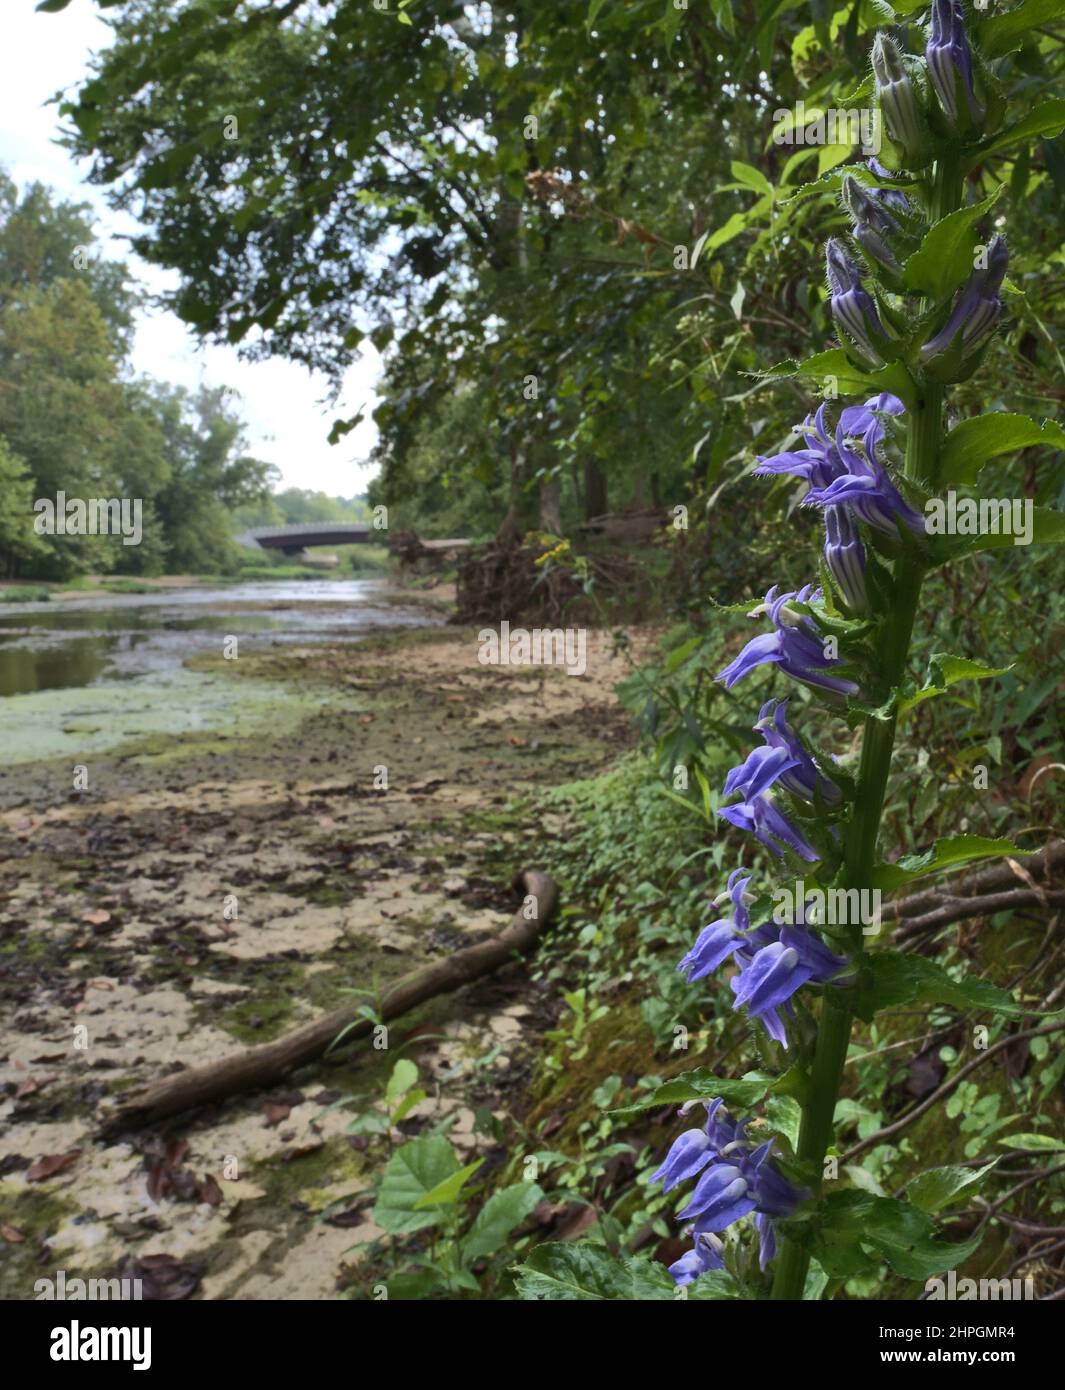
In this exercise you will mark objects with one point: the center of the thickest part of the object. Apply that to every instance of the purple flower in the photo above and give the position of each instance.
(794, 645)
(802, 777)
(773, 974)
(770, 826)
(950, 66)
(704, 1256)
(977, 307)
(717, 942)
(853, 307)
(735, 1179)
(899, 101)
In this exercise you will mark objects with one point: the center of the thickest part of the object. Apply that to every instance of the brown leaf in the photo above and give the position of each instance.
(97, 917)
(12, 1235)
(210, 1192)
(275, 1112)
(32, 1084)
(50, 1164)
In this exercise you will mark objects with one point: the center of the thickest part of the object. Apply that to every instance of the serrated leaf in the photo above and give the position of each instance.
(894, 978)
(854, 1225)
(944, 260)
(1048, 528)
(1048, 119)
(938, 1187)
(582, 1272)
(972, 443)
(834, 367)
(957, 849)
(702, 1084)
(1001, 34)
(945, 671)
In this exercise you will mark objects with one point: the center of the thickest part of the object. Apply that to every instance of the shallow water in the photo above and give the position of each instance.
(83, 674)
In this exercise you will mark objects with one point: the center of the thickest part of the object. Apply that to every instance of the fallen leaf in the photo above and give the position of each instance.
(50, 1164)
(12, 1235)
(97, 917)
(275, 1112)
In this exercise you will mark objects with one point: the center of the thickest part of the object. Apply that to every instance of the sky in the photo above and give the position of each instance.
(287, 424)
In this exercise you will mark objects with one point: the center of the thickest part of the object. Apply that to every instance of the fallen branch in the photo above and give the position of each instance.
(1003, 874)
(263, 1065)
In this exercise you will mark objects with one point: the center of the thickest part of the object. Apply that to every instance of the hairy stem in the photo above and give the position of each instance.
(925, 427)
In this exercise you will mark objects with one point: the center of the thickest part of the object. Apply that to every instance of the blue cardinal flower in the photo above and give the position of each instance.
(794, 645)
(854, 308)
(735, 1178)
(799, 774)
(720, 939)
(770, 826)
(704, 1256)
(977, 307)
(773, 974)
(853, 483)
(950, 66)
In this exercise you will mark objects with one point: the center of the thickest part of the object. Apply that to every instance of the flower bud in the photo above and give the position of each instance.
(854, 309)
(950, 68)
(974, 314)
(900, 102)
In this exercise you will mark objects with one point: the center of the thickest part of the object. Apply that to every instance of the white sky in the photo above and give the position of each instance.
(41, 53)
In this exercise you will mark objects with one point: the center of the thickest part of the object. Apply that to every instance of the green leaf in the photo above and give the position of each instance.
(1033, 1143)
(945, 671)
(893, 978)
(752, 177)
(446, 1192)
(52, 6)
(938, 1187)
(957, 849)
(702, 1084)
(969, 445)
(580, 1271)
(1001, 34)
(404, 1075)
(1048, 119)
(856, 1225)
(834, 368)
(944, 260)
(1048, 528)
(420, 1166)
(503, 1211)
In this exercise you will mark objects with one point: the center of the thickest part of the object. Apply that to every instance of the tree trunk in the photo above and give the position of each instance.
(595, 495)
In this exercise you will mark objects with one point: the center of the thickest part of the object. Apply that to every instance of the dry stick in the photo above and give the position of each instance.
(996, 875)
(261, 1066)
(947, 1087)
(950, 910)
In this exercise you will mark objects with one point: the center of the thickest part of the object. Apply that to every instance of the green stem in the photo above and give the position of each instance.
(925, 427)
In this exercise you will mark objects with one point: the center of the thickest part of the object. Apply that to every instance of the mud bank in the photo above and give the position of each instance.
(212, 890)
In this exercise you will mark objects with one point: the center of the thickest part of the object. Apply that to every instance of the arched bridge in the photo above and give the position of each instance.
(293, 539)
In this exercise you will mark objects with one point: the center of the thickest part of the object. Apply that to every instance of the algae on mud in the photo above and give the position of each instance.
(114, 922)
